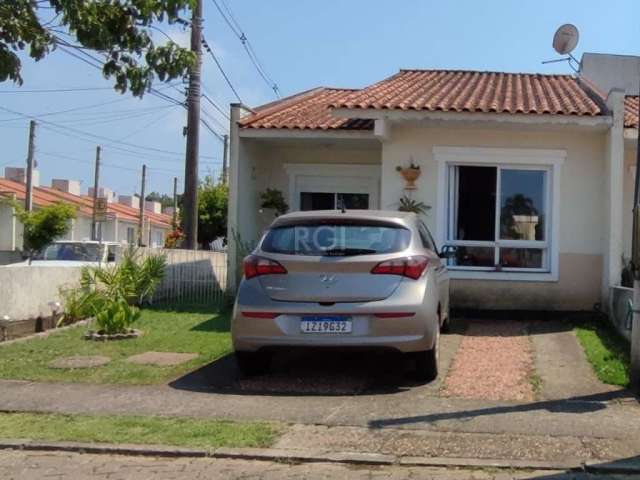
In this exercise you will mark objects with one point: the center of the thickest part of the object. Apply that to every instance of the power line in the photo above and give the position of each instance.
(216, 106)
(224, 74)
(235, 27)
(99, 137)
(57, 90)
(98, 64)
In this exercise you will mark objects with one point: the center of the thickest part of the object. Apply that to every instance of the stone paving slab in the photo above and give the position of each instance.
(162, 359)
(79, 361)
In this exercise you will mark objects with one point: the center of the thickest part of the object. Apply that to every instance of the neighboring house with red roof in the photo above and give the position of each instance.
(121, 225)
(528, 175)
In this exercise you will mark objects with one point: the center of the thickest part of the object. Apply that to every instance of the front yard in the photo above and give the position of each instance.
(201, 331)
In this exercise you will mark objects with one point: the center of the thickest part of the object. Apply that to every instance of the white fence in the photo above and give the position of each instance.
(192, 276)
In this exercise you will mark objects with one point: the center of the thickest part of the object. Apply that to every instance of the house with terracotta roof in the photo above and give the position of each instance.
(122, 222)
(530, 176)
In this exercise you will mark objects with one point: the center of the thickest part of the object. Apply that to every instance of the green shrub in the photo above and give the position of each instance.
(116, 316)
(78, 304)
(132, 279)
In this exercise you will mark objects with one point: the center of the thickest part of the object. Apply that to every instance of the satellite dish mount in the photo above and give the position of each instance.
(565, 41)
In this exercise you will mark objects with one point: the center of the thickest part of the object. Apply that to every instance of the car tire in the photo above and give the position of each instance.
(446, 325)
(251, 364)
(427, 362)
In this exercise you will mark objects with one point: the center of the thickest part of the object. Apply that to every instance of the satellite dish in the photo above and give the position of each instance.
(565, 39)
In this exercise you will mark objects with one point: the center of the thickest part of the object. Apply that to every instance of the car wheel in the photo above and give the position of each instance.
(446, 325)
(252, 363)
(427, 362)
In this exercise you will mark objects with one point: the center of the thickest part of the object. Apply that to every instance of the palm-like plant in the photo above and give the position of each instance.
(408, 204)
(133, 279)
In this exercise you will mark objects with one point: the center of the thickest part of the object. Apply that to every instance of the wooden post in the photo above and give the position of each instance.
(96, 186)
(174, 221)
(225, 162)
(28, 198)
(142, 204)
(190, 195)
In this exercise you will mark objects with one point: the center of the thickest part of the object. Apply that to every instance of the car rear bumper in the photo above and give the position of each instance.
(405, 334)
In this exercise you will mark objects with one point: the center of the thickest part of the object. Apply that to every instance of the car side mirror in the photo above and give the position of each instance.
(448, 251)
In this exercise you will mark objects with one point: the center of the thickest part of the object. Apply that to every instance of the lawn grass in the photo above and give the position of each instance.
(174, 431)
(607, 351)
(189, 330)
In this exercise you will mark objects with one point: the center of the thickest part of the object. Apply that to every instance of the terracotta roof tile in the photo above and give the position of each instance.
(468, 91)
(631, 111)
(305, 111)
(46, 196)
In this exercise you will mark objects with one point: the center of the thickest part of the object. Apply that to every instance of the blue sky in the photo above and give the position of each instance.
(302, 44)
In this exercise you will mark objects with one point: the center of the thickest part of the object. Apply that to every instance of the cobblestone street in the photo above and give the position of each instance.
(24, 465)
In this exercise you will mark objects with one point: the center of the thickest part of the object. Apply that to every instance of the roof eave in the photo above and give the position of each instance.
(308, 133)
(589, 121)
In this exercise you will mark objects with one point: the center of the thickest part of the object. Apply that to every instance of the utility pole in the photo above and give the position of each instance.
(142, 202)
(96, 185)
(174, 221)
(28, 198)
(190, 196)
(634, 370)
(225, 162)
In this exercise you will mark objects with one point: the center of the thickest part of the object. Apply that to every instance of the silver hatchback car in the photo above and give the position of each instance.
(357, 278)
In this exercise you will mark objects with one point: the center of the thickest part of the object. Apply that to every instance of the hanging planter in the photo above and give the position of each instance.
(410, 175)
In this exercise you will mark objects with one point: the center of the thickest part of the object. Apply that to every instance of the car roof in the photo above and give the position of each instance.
(403, 218)
(85, 242)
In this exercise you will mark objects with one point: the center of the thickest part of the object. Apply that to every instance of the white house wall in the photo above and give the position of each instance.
(582, 201)
(7, 228)
(629, 189)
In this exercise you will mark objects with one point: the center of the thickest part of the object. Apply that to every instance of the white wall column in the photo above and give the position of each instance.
(614, 182)
(234, 182)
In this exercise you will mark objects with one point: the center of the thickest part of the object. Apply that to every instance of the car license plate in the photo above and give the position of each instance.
(325, 324)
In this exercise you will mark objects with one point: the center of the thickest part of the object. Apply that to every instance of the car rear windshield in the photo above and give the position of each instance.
(89, 252)
(336, 239)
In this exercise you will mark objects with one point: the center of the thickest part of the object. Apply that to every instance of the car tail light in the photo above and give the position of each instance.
(411, 267)
(255, 266)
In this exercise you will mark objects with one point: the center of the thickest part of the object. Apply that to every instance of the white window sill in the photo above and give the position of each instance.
(503, 276)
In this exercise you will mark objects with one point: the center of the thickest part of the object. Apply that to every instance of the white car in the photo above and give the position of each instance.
(74, 253)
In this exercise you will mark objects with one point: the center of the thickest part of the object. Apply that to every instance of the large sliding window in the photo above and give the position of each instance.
(498, 217)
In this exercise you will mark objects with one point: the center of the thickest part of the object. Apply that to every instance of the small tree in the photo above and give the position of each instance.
(213, 202)
(44, 225)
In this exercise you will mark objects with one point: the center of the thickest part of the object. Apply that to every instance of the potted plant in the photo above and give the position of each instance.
(273, 199)
(408, 204)
(410, 175)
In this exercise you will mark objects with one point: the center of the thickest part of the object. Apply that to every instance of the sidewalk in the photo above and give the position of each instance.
(612, 415)
(74, 466)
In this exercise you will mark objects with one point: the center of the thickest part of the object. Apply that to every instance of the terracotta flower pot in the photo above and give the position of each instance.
(410, 175)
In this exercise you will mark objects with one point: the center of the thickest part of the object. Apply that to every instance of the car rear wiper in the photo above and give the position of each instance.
(337, 252)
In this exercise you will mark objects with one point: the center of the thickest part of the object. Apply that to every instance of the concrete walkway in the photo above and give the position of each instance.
(607, 415)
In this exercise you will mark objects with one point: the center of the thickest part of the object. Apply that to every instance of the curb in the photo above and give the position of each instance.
(311, 456)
